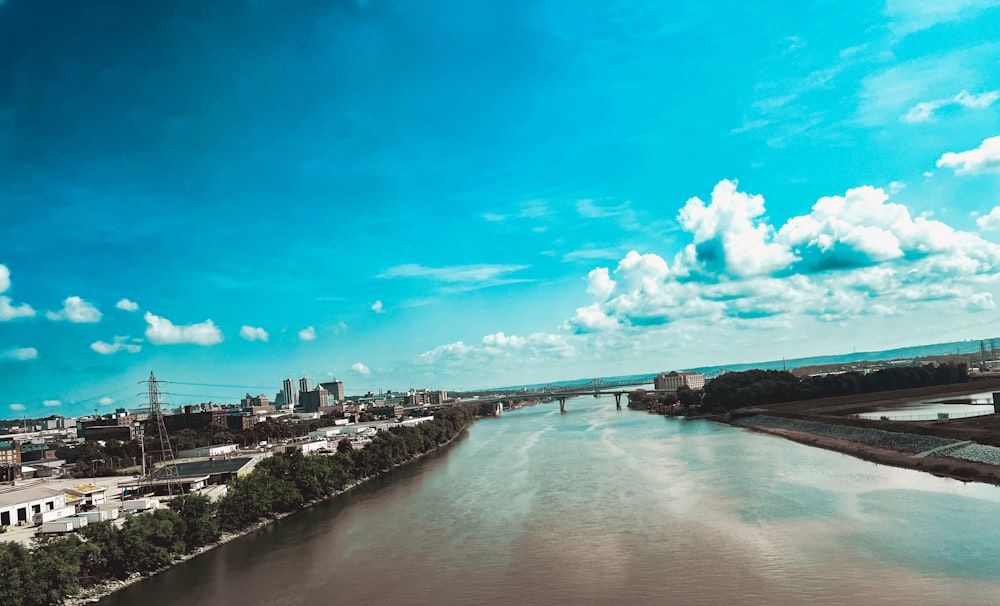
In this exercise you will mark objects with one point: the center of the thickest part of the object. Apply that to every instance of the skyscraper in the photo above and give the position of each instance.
(304, 385)
(288, 390)
(336, 389)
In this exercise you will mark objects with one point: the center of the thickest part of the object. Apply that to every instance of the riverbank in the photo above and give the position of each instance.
(964, 449)
(94, 593)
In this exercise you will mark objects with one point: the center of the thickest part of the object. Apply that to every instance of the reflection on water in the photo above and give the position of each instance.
(606, 506)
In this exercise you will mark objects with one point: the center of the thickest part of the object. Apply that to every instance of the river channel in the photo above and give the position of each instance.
(600, 506)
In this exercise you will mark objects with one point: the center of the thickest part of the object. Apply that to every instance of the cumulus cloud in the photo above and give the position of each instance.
(51, 403)
(20, 354)
(120, 343)
(105, 401)
(852, 255)
(983, 159)
(17, 406)
(501, 349)
(377, 306)
(729, 235)
(990, 222)
(76, 310)
(161, 331)
(254, 333)
(924, 112)
(8, 309)
(307, 334)
(361, 369)
(127, 305)
(599, 283)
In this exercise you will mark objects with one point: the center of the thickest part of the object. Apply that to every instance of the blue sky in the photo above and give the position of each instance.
(471, 194)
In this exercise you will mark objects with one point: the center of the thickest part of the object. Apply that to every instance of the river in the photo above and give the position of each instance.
(600, 506)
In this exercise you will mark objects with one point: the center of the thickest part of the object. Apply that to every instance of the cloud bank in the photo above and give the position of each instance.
(856, 255)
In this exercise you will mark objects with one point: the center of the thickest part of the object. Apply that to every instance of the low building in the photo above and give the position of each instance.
(20, 506)
(87, 496)
(671, 381)
(217, 450)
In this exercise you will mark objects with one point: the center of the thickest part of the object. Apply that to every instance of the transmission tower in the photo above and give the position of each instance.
(160, 449)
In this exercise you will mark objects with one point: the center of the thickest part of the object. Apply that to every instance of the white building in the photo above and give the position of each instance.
(670, 381)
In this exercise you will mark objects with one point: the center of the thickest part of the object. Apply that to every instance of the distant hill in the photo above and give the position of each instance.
(971, 349)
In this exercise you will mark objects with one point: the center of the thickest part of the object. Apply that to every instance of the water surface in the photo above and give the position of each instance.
(615, 507)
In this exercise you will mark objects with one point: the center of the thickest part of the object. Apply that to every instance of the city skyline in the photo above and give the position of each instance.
(468, 195)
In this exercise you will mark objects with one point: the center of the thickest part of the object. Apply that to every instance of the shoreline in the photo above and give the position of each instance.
(95, 593)
(836, 412)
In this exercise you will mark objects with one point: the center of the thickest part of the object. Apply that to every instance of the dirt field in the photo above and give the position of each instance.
(838, 411)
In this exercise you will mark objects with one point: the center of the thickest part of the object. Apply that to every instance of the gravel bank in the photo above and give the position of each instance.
(902, 442)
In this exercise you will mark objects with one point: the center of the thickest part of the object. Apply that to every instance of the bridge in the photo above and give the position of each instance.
(561, 393)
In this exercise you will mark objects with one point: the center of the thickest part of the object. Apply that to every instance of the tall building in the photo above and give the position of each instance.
(336, 389)
(312, 401)
(289, 393)
(304, 385)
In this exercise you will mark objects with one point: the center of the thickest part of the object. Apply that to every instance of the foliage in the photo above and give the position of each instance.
(56, 567)
(759, 387)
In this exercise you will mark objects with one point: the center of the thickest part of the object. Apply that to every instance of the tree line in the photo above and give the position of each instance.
(56, 567)
(761, 387)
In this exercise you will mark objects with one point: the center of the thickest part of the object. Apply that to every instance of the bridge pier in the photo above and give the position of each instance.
(562, 404)
(618, 401)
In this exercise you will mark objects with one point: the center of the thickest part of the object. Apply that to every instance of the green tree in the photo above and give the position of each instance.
(197, 513)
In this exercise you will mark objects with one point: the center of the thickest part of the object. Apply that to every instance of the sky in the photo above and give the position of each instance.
(458, 195)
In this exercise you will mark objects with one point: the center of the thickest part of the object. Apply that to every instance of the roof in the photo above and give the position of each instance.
(85, 489)
(25, 494)
(201, 468)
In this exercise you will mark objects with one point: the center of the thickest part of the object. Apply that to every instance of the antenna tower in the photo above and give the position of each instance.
(161, 450)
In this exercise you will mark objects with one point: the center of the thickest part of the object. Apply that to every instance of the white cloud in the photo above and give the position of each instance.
(361, 369)
(8, 309)
(465, 276)
(51, 403)
(127, 305)
(17, 406)
(599, 283)
(729, 236)
(983, 159)
(990, 222)
(307, 334)
(377, 306)
(254, 333)
(924, 111)
(499, 349)
(161, 331)
(121, 343)
(105, 401)
(910, 16)
(20, 354)
(76, 310)
(981, 301)
(11, 311)
(852, 255)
